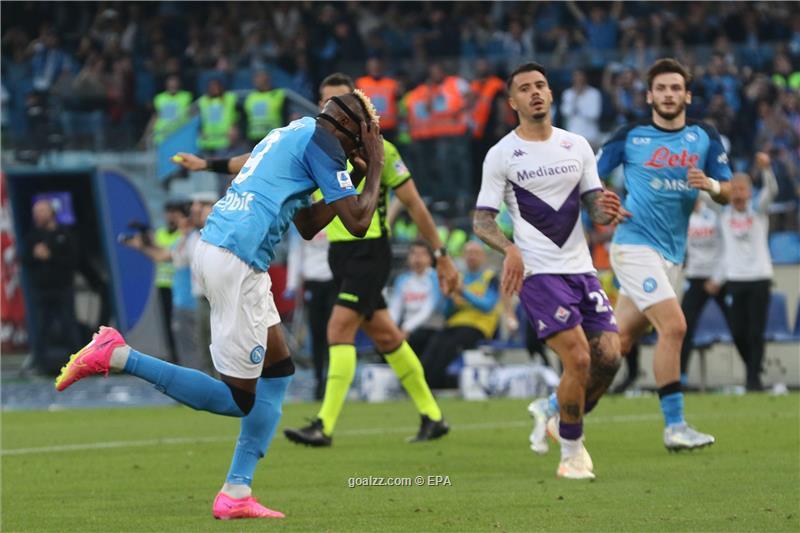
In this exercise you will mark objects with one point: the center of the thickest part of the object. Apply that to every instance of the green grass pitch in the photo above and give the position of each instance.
(159, 469)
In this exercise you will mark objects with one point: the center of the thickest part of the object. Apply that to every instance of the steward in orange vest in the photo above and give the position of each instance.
(383, 92)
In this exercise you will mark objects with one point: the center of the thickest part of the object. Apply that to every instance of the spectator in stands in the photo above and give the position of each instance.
(487, 115)
(747, 269)
(51, 257)
(721, 79)
(171, 109)
(600, 28)
(47, 59)
(85, 102)
(473, 312)
(308, 271)
(783, 75)
(265, 108)
(416, 298)
(581, 106)
(384, 92)
(703, 268)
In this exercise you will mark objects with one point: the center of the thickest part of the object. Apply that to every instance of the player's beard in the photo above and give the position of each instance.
(679, 108)
(538, 117)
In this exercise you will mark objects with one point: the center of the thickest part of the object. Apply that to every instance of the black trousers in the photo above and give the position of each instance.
(319, 299)
(443, 348)
(420, 338)
(165, 299)
(748, 320)
(56, 328)
(694, 299)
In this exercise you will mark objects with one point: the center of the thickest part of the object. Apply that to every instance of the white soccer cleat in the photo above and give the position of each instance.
(578, 467)
(684, 437)
(538, 437)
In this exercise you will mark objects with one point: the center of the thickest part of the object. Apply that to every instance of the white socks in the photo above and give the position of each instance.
(570, 448)
(236, 491)
(119, 357)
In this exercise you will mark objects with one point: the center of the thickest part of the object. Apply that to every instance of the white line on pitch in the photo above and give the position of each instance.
(364, 431)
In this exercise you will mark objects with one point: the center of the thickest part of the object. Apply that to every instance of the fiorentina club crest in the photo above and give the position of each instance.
(562, 315)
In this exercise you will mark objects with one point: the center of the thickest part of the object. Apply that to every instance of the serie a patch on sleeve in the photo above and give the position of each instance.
(343, 177)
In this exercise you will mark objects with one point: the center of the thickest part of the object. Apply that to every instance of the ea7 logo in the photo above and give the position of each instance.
(518, 153)
(641, 140)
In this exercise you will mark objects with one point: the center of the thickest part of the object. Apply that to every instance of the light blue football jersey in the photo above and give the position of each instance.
(655, 163)
(283, 170)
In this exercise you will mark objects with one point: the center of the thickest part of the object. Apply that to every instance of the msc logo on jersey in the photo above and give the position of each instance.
(638, 141)
(344, 180)
(649, 285)
(669, 185)
(257, 354)
(690, 136)
(562, 315)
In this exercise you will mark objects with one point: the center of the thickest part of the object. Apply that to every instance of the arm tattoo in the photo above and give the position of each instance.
(485, 227)
(595, 211)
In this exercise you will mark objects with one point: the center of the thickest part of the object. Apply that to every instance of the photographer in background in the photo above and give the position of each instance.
(51, 257)
(183, 305)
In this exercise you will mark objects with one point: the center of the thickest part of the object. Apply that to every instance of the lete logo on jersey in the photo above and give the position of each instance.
(664, 158)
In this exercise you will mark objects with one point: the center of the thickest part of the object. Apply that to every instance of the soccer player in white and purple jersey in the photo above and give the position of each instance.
(543, 174)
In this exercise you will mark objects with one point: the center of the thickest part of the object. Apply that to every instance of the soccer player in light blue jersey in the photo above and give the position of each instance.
(231, 261)
(666, 161)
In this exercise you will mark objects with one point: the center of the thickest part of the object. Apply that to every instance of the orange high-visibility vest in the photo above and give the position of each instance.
(485, 91)
(419, 117)
(448, 109)
(383, 93)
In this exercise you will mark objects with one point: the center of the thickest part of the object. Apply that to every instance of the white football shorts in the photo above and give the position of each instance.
(242, 310)
(644, 275)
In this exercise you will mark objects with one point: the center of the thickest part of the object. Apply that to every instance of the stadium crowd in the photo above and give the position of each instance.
(91, 72)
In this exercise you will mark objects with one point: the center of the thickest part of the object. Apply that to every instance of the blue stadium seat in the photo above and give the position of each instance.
(777, 320)
(784, 247)
(145, 89)
(711, 327)
(242, 80)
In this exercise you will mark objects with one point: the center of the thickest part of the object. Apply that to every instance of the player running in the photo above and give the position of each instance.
(543, 173)
(666, 161)
(231, 262)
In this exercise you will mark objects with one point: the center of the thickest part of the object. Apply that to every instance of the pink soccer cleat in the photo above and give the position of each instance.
(92, 359)
(227, 508)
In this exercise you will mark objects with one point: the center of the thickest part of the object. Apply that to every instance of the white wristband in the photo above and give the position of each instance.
(715, 187)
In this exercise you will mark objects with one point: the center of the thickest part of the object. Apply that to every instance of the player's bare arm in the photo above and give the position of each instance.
(605, 207)
(223, 166)
(485, 227)
(445, 268)
(356, 212)
(720, 191)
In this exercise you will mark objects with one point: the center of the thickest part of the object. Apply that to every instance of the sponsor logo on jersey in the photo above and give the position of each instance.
(234, 201)
(649, 285)
(400, 167)
(257, 354)
(664, 158)
(518, 153)
(638, 141)
(344, 180)
(669, 184)
(562, 315)
(567, 166)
